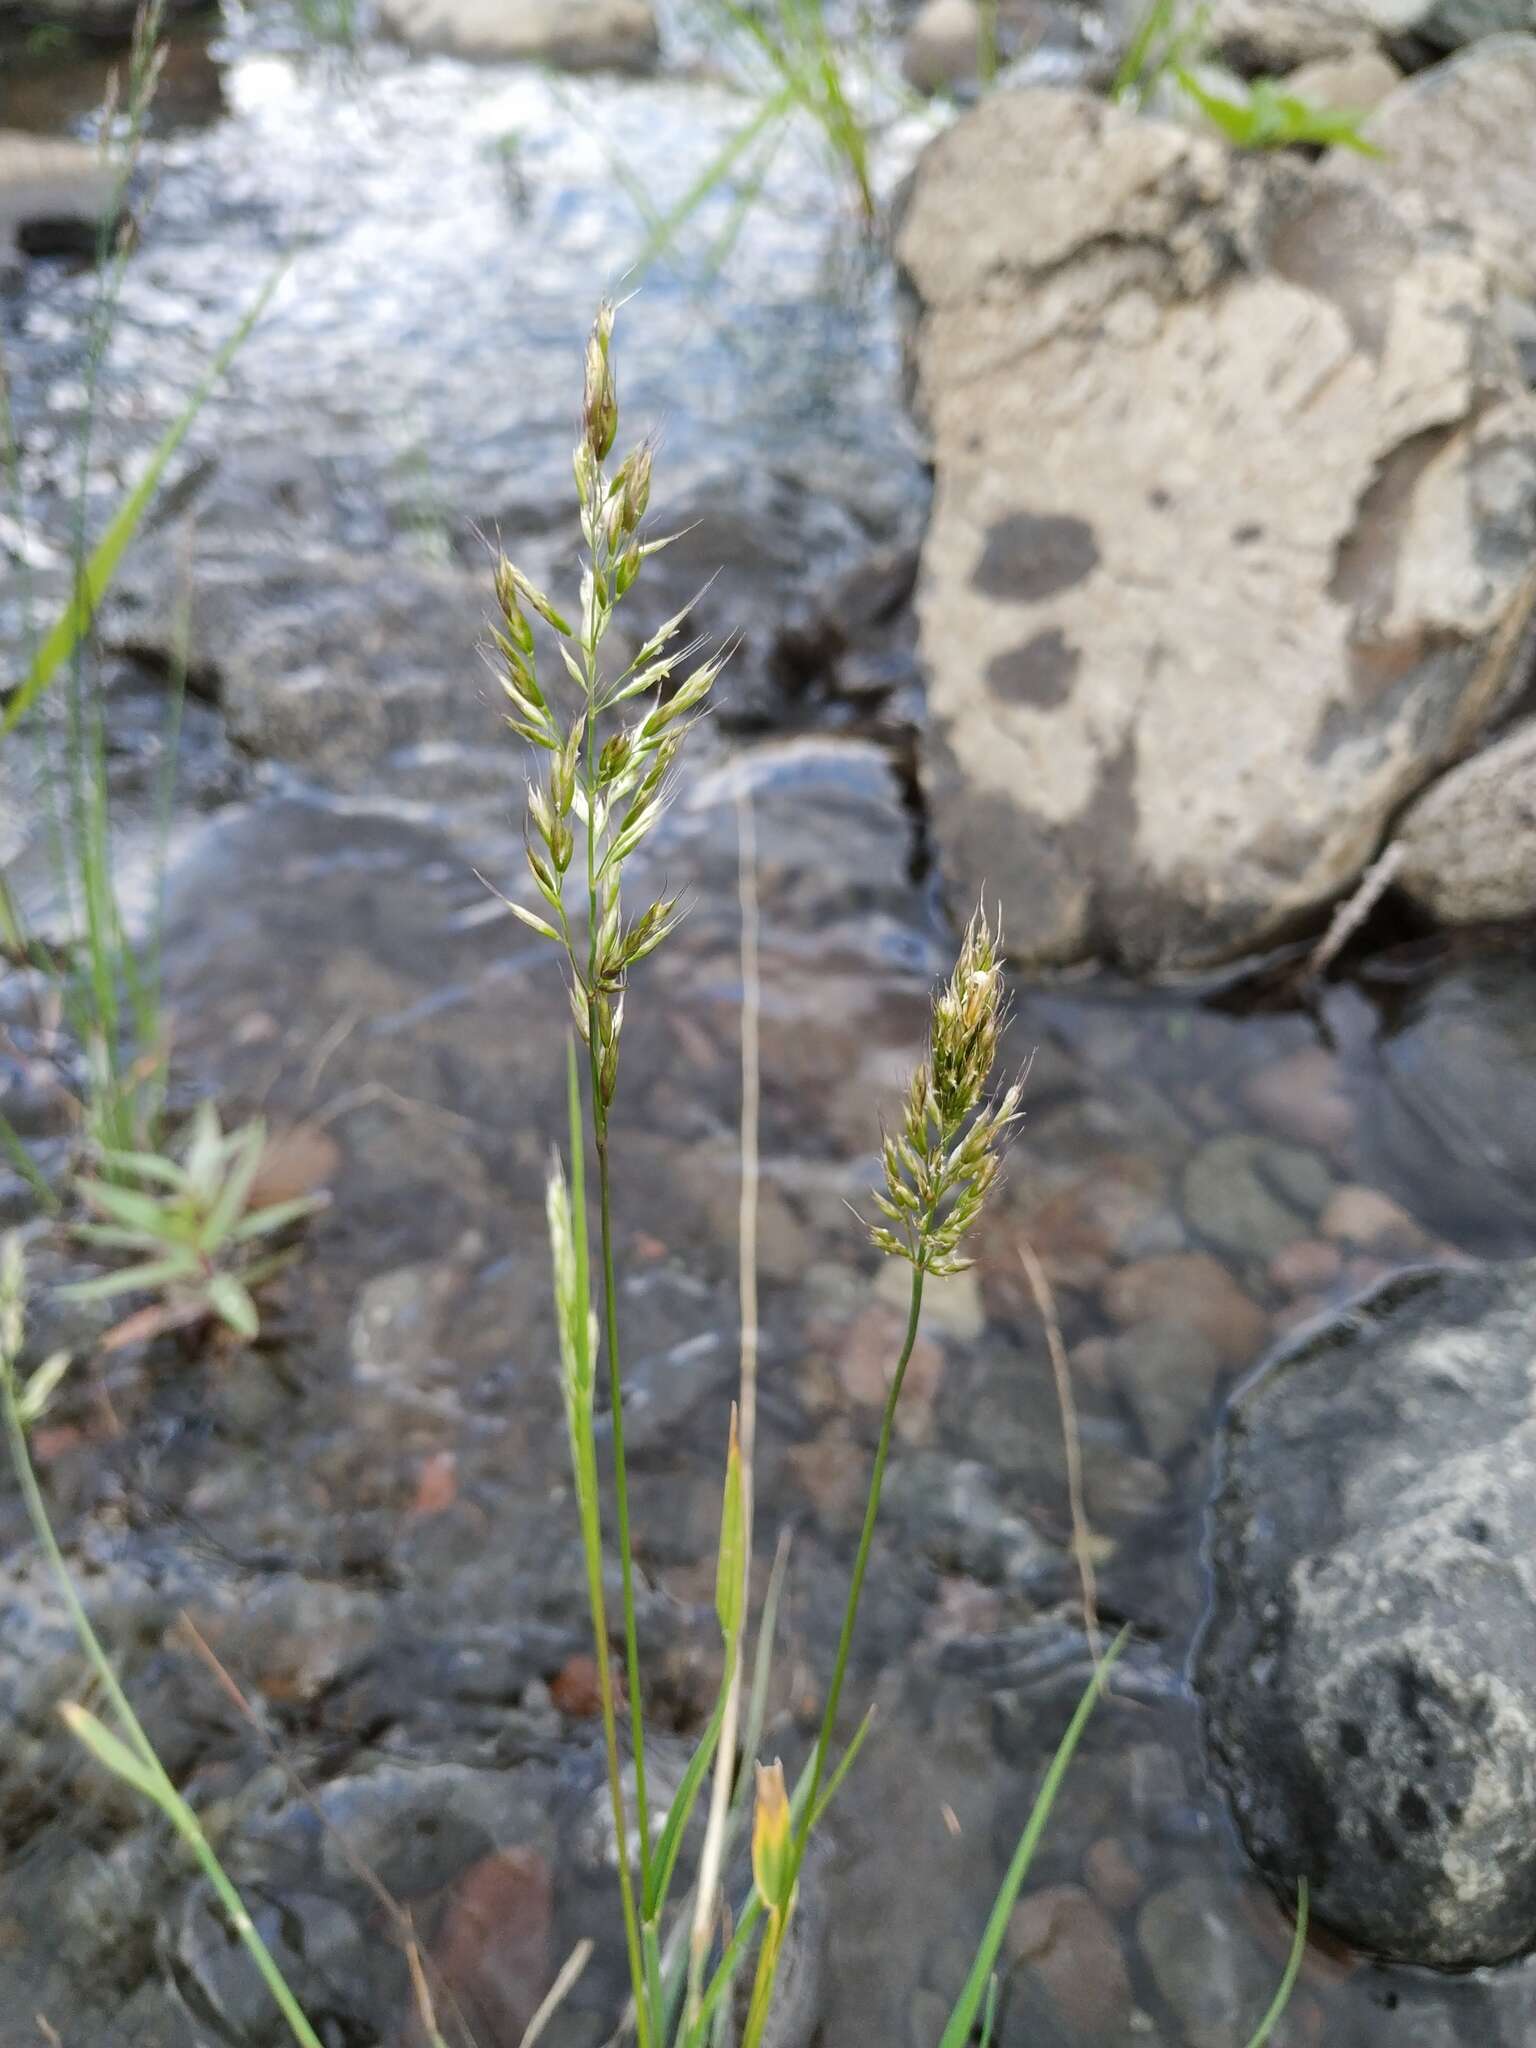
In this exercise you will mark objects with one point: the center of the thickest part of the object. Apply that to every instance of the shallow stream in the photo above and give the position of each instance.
(368, 1516)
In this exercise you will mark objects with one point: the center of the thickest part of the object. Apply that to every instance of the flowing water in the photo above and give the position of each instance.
(368, 1515)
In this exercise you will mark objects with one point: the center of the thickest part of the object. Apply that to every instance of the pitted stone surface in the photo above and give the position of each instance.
(1369, 1667)
(1232, 535)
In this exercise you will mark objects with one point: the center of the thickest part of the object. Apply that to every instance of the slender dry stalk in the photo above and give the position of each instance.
(1355, 909)
(712, 1859)
(1071, 1437)
(558, 1992)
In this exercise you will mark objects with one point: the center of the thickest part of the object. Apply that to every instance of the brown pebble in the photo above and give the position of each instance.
(299, 1161)
(1305, 1266)
(1373, 1221)
(868, 1357)
(1117, 1883)
(1305, 1308)
(1065, 1938)
(492, 1954)
(1302, 1097)
(576, 1689)
(1189, 1290)
(437, 1484)
(833, 1471)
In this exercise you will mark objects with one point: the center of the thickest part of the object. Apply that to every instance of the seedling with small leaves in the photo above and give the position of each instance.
(190, 1220)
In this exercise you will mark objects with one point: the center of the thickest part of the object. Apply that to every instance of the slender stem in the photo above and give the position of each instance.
(170, 1801)
(860, 1565)
(593, 1546)
(621, 1499)
(610, 1293)
(712, 1855)
(585, 1452)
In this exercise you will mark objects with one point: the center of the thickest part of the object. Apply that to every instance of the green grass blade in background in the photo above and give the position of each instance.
(962, 2020)
(75, 620)
(1282, 1997)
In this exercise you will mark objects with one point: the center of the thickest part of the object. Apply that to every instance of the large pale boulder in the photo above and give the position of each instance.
(576, 35)
(1469, 844)
(1233, 529)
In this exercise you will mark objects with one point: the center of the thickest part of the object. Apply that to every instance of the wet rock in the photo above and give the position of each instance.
(941, 47)
(1373, 1221)
(1469, 843)
(1216, 1980)
(944, 43)
(1253, 1197)
(1112, 1874)
(331, 661)
(1118, 1210)
(1366, 1670)
(1189, 1291)
(955, 1513)
(592, 35)
(1305, 1266)
(868, 1357)
(1358, 80)
(1302, 1096)
(1447, 24)
(1066, 1944)
(1168, 1377)
(492, 1954)
(54, 195)
(952, 1303)
(1271, 36)
(1103, 564)
(1458, 146)
(1448, 1101)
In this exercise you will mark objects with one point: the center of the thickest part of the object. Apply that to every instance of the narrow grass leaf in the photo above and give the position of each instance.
(276, 1216)
(133, 1279)
(731, 1563)
(962, 2020)
(128, 1206)
(989, 2015)
(32, 1401)
(244, 1163)
(75, 620)
(115, 1237)
(1282, 1997)
(27, 1167)
(147, 1166)
(232, 1303)
(110, 1750)
(830, 1789)
(670, 1841)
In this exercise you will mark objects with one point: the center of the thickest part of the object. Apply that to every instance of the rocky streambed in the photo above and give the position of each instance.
(367, 1516)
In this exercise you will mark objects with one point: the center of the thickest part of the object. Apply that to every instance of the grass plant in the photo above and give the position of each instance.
(191, 1223)
(110, 988)
(124, 1750)
(607, 741)
(1169, 45)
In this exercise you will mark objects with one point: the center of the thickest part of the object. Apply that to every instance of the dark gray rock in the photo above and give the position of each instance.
(1369, 1666)
(1447, 1090)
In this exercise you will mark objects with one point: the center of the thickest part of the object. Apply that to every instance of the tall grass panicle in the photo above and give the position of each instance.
(610, 742)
